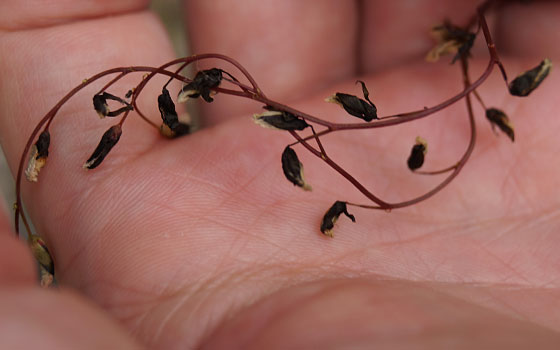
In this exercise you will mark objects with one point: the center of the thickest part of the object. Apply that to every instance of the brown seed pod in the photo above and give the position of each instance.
(202, 84)
(108, 141)
(171, 127)
(280, 120)
(528, 81)
(331, 216)
(417, 154)
(102, 107)
(38, 156)
(450, 39)
(355, 106)
(293, 169)
(500, 119)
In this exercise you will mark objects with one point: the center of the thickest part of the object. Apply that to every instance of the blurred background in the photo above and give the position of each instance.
(171, 14)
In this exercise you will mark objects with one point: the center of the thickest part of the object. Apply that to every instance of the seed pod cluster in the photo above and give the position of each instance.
(202, 84)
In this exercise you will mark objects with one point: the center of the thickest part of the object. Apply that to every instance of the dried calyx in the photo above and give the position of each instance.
(500, 119)
(41, 253)
(38, 156)
(355, 106)
(171, 126)
(108, 141)
(102, 107)
(417, 154)
(282, 120)
(202, 84)
(293, 169)
(528, 81)
(331, 216)
(450, 39)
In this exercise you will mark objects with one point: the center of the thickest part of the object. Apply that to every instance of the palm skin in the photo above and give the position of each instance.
(187, 242)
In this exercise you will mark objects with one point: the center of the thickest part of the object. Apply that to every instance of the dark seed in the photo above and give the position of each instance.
(356, 106)
(500, 119)
(169, 115)
(102, 108)
(525, 83)
(293, 169)
(279, 120)
(108, 141)
(202, 84)
(416, 158)
(331, 216)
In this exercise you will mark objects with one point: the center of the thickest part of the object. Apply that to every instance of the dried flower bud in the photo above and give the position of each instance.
(282, 120)
(356, 106)
(203, 83)
(525, 83)
(332, 215)
(171, 127)
(450, 39)
(293, 169)
(108, 141)
(501, 120)
(102, 108)
(38, 156)
(41, 253)
(419, 150)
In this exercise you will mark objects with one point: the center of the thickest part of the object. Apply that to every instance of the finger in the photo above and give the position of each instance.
(31, 318)
(396, 32)
(16, 264)
(292, 48)
(366, 314)
(529, 30)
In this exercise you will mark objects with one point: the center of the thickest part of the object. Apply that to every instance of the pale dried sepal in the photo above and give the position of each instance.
(34, 165)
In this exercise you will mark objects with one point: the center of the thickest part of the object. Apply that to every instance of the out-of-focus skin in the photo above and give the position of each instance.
(201, 242)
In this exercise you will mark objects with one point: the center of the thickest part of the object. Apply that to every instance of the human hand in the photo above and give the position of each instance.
(201, 241)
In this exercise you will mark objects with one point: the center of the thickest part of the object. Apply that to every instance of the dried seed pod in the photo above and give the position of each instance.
(417, 154)
(202, 84)
(500, 119)
(171, 127)
(102, 108)
(38, 156)
(528, 81)
(108, 141)
(293, 169)
(354, 105)
(450, 39)
(331, 216)
(41, 253)
(281, 120)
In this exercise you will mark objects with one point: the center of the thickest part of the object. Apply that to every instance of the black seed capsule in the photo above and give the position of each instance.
(293, 169)
(102, 108)
(331, 216)
(108, 141)
(172, 126)
(525, 83)
(279, 120)
(500, 119)
(417, 154)
(202, 84)
(355, 106)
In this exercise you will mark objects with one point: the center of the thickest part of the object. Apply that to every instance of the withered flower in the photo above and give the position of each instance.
(282, 120)
(356, 106)
(417, 154)
(38, 156)
(450, 39)
(108, 141)
(501, 120)
(293, 169)
(331, 216)
(171, 127)
(102, 108)
(41, 253)
(526, 82)
(203, 83)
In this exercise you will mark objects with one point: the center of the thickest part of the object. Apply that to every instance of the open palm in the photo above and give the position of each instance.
(200, 241)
